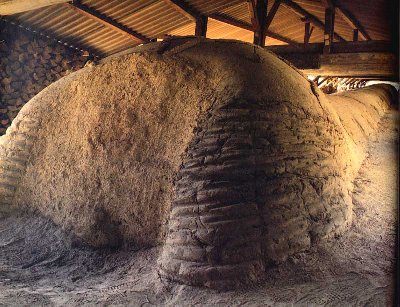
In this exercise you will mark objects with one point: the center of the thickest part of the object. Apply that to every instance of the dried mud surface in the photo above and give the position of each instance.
(41, 264)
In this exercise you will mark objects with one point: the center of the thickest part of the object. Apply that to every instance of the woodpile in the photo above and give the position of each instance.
(29, 63)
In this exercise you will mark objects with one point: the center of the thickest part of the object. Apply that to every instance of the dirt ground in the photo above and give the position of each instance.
(40, 264)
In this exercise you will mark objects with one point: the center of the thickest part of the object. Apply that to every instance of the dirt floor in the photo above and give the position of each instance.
(42, 265)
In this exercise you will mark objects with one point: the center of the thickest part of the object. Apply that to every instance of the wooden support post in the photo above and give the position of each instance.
(201, 26)
(355, 35)
(307, 32)
(259, 20)
(329, 29)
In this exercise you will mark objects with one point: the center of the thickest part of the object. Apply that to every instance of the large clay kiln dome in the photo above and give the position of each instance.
(217, 148)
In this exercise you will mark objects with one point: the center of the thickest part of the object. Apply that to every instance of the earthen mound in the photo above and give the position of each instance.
(217, 149)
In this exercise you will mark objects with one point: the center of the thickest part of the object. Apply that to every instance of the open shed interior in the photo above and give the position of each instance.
(196, 152)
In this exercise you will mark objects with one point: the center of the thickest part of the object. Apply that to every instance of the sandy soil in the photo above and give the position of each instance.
(40, 264)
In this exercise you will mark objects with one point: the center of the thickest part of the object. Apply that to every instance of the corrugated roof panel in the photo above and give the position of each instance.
(208, 7)
(187, 29)
(219, 29)
(155, 19)
(68, 24)
(117, 9)
(238, 11)
(33, 19)
(288, 24)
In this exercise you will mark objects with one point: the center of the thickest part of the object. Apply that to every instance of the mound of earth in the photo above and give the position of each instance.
(217, 150)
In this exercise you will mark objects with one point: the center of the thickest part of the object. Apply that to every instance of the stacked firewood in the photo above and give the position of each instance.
(28, 63)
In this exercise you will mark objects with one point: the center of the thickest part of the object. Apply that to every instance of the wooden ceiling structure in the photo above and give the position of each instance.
(344, 38)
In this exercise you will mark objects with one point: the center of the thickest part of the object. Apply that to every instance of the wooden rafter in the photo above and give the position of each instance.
(107, 21)
(192, 14)
(244, 25)
(232, 21)
(347, 16)
(305, 14)
(185, 9)
(272, 13)
(281, 38)
(352, 21)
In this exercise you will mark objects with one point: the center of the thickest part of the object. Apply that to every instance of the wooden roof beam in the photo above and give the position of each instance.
(107, 21)
(185, 9)
(232, 21)
(281, 38)
(352, 21)
(305, 14)
(10, 7)
(347, 16)
(192, 14)
(244, 25)
(373, 64)
(272, 13)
